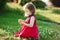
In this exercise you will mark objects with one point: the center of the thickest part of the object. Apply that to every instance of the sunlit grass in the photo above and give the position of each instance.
(15, 5)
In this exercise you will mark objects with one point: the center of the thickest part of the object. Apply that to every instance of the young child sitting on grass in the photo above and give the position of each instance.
(29, 28)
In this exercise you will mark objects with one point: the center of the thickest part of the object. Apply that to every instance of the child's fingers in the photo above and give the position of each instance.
(19, 20)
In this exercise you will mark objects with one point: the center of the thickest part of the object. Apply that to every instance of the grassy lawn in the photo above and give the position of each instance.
(9, 23)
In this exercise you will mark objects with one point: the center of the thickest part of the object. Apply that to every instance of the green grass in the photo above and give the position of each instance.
(9, 23)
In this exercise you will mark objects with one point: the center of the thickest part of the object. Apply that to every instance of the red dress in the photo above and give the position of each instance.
(28, 32)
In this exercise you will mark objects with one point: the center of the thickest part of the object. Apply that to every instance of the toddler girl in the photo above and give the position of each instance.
(29, 28)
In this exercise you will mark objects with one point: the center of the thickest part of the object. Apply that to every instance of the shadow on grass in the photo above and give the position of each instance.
(42, 18)
(43, 8)
(56, 11)
(12, 10)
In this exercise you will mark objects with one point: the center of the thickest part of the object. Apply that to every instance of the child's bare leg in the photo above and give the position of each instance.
(24, 38)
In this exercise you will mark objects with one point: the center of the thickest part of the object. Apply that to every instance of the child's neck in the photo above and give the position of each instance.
(30, 15)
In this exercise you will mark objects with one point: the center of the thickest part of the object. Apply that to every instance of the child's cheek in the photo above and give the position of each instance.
(26, 14)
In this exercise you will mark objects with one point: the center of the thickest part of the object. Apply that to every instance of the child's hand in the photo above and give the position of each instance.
(20, 20)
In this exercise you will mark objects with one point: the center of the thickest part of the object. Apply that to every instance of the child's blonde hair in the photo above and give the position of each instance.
(31, 7)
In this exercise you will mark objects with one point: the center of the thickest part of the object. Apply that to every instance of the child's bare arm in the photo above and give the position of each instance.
(31, 22)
